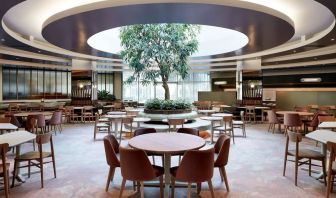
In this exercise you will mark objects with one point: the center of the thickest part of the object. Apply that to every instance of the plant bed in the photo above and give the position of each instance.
(162, 111)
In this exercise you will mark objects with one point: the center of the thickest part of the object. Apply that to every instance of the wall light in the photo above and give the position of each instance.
(81, 85)
(252, 85)
(310, 80)
(220, 83)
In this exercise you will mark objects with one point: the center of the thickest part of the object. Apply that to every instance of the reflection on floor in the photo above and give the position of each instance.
(254, 169)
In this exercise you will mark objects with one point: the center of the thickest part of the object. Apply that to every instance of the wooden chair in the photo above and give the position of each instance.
(88, 113)
(4, 168)
(292, 121)
(273, 120)
(300, 154)
(174, 122)
(189, 170)
(100, 127)
(226, 127)
(331, 167)
(326, 119)
(240, 124)
(35, 158)
(117, 106)
(222, 149)
(124, 121)
(31, 126)
(250, 113)
(111, 146)
(135, 166)
(13, 120)
(190, 131)
(313, 123)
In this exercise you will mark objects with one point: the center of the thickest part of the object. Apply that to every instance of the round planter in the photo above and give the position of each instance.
(161, 111)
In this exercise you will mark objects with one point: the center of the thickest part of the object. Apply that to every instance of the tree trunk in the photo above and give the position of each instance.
(166, 88)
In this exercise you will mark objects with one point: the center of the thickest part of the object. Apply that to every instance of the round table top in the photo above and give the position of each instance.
(167, 142)
(134, 110)
(301, 113)
(166, 120)
(141, 119)
(207, 111)
(116, 113)
(78, 107)
(114, 116)
(210, 118)
(222, 114)
(25, 114)
(224, 106)
(256, 107)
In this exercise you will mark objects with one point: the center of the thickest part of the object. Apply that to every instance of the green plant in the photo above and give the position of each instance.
(105, 95)
(155, 51)
(167, 104)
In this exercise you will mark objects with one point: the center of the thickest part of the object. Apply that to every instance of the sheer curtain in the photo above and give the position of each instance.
(186, 89)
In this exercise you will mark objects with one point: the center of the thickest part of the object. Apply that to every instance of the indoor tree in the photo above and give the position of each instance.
(155, 51)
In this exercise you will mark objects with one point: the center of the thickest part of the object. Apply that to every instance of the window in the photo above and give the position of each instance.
(186, 89)
(105, 82)
(26, 83)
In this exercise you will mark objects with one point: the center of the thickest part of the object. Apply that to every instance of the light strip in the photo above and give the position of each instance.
(308, 80)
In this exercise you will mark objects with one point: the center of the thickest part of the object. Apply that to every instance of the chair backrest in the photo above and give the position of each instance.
(250, 109)
(272, 117)
(143, 131)
(174, 122)
(127, 120)
(132, 113)
(111, 146)
(40, 120)
(196, 166)
(5, 119)
(326, 118)
(216, 108)
(222, 148)
(302, 109)
(56, 118)
(135, 165)
(292, 119)
(88, 108)
(331, 146)
(293, 137)
(324, 108)
(315, 121)
(31, 124)
(14, 120)
(242, 116)
(44, 139)
(190, 131)
(117, 105)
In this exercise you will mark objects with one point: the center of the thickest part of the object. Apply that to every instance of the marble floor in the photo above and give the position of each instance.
(254, 169)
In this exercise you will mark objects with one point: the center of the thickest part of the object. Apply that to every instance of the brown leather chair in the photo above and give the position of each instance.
(55, 121)
(143, 131)
(313, 123)
(174, 122)
(273, 120)
(5, 119)
(13, 120)
(135, 166)
(293, 121)
(4, 168)
(35, 158)
(300, 154)
(111, 146)
(331, 167)
(189, 170)
(222, 149)
(190, 131)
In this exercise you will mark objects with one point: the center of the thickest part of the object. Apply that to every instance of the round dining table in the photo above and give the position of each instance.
(139, 120)
(115, 118)
(116, 113)
(301, 113)
(166, 144)
(222, 115)
(206, 111)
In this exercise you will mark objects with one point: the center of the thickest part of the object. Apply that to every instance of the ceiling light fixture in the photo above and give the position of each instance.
(304, 80)
(332, 39)
(3, 40)
(220, 83)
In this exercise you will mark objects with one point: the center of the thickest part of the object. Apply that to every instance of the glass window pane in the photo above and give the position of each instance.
(40, 83)
(5, 83)
(21, 84)
(12, 85)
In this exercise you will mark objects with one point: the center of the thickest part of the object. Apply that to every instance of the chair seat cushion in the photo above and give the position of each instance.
(158, 170)
(307, 153)
(204, 134)
(237, 122)
(33, 155)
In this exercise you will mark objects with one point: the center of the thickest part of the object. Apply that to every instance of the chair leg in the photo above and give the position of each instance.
(122, 187)
(329, 184)
(189, 190)
(54, 165)
(285, 163)
(211, 189)
(41, 167)
(199, 188)
(109, 178)
(172, 183)
(324, 172)
(296, 170)
(221, 174)
(225, 178)
(269, 127)
(161, 186)
(232, 134)
(28, 168)
(6, 183)
(142, 189)
(14, 173)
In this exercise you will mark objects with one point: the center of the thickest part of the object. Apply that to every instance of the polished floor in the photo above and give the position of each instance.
(254, 169)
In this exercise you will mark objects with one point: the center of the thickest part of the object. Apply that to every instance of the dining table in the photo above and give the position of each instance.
(327, 125)
(167, 144)
(222, 115)
(115, 118)
(139, 120)
(206, 111)
(301, 113)
(16, 139)
(212, 119)
(7, 127)
(116, 113)
(26, 114)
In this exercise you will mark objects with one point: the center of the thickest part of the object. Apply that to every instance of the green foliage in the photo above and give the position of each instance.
(105, 95)
(167, 104)
(155, 51)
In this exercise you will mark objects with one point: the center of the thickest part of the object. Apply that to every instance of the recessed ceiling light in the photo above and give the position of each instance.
(315, 58)
(310, 79)
(332, 39)
(3, 40)
(17, 58)
(39, 51)
(294, 51)
(220, 83)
